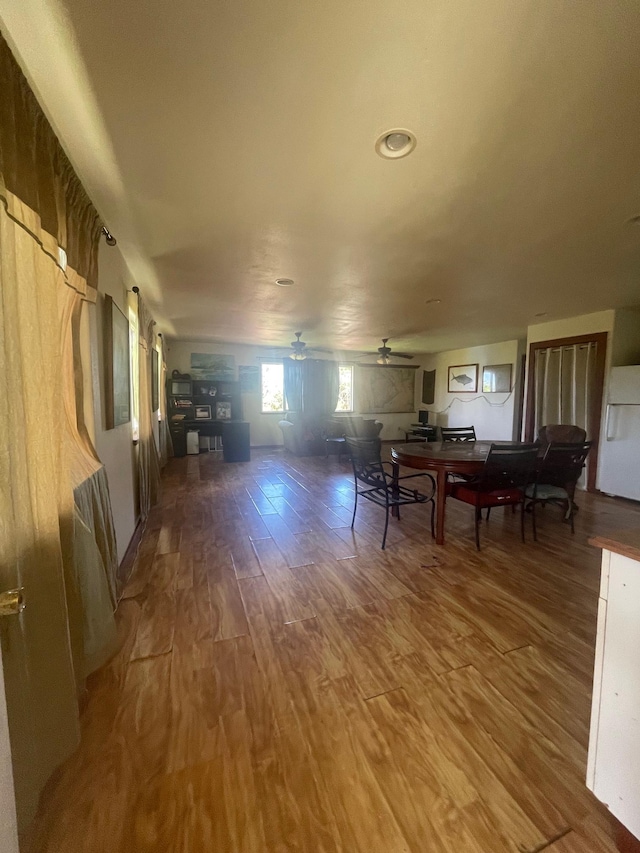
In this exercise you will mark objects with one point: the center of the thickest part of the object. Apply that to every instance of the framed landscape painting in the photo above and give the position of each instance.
(116, 356)
(463, 379)
(496, 378)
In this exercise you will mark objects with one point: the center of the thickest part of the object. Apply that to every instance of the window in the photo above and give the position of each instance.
(345, 393)
(272, 387)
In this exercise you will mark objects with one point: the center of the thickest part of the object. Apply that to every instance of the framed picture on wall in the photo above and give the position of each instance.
(463, 379)
(496, 378)
(155, 380)
(202, 413)
(116, 358)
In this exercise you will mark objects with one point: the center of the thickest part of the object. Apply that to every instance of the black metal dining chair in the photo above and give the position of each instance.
(458, 433)
(505, 475)
(376, 483)
(556, 476)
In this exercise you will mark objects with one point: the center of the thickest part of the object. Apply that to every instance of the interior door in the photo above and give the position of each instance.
(8, 825)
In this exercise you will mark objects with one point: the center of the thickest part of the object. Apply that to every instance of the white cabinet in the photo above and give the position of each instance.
(613, 770)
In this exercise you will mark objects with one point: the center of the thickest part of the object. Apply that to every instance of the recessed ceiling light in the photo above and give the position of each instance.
(433, 301)
(396, 143)
(284, 282)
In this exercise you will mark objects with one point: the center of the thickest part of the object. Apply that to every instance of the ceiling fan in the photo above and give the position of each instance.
(299, 349)
(385, 353)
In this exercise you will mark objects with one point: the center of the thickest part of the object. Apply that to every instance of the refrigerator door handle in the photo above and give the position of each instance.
(607, 420)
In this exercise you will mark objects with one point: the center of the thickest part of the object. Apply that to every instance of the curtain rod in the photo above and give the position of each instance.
(110, 239)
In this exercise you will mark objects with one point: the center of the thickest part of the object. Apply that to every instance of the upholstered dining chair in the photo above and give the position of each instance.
(375, 482)
(458, 433)
(505, 475)
(556, 477)
(563, 433)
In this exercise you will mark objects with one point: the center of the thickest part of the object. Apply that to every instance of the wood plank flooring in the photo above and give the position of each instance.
(282, 684)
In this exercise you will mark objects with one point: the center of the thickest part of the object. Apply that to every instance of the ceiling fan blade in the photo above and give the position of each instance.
(400, 355)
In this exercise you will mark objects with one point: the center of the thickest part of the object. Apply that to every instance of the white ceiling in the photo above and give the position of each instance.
(230, 143)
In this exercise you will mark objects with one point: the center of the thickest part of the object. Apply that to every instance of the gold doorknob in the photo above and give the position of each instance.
(12, 602)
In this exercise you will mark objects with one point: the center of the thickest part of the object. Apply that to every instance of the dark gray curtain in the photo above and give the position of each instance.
(321, 380)
(293, 385)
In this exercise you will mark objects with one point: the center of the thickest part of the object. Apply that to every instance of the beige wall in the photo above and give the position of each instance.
(114, 446)
(492, 415)
(626, 337)
(584, 324)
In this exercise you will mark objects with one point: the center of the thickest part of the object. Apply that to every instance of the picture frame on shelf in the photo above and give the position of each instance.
(117, 365)
(462, 379)
(204, 389)
(496, 378)
(202, 413)
(223, 411)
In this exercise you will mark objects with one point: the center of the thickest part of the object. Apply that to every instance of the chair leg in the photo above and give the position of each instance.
(521, 520)
(355, 507)
(386, 525)
(488, 512)
(478, 517)
(533, 520)
(570, 510)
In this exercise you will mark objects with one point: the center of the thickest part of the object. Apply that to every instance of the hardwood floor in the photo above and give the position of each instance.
(285, 685)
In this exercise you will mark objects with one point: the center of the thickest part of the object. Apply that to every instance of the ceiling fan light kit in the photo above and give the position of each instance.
(385, 353)
(298, 348)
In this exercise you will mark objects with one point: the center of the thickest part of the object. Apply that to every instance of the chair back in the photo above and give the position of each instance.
(458, 433)
(366, 460)
(563, 433)
(510, 465)
(563, 462)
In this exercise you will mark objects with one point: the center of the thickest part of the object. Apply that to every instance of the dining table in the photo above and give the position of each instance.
(443, 458)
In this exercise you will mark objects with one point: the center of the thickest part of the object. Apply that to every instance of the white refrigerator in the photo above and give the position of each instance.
(619, 463)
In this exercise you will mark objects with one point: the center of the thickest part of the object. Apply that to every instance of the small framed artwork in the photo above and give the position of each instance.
(223, 411)
(155, 380)
(202, 413)
(117, 387)
(463, 379)
(496, 378)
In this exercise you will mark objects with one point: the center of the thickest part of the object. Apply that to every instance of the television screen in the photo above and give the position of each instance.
(180, 386)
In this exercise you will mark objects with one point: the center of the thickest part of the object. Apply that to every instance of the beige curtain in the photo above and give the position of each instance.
(148, 460)
(565, 380)
(564, 385)
(36, 508)
(56, 532)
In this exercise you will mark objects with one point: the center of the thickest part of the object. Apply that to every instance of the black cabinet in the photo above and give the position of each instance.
(235, 442)
(213, 408)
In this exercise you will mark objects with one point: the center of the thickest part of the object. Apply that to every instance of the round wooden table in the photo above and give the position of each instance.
(443, 457)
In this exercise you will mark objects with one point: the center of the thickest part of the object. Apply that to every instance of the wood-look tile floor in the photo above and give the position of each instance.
(285, 685)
